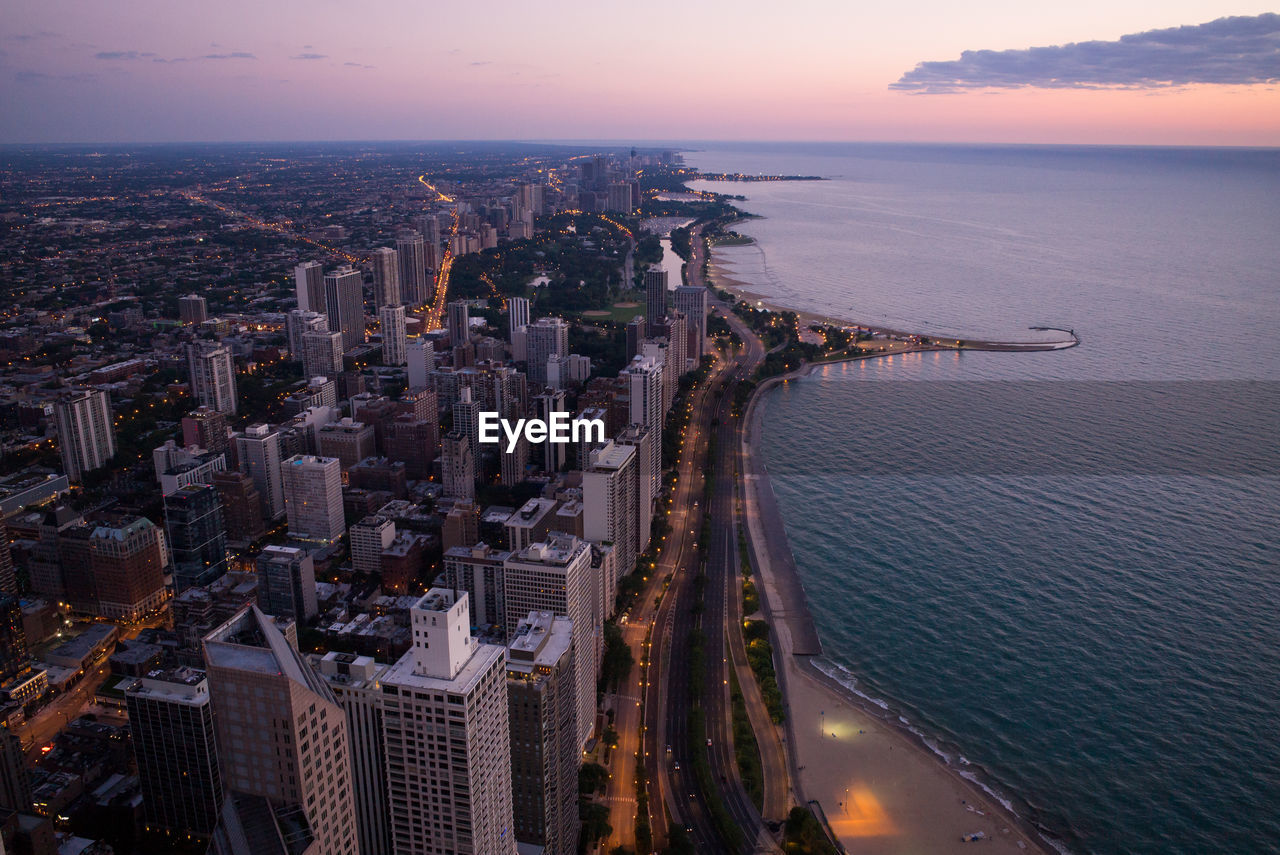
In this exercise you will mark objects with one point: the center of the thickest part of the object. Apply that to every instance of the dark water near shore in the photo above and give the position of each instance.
(1065, 566)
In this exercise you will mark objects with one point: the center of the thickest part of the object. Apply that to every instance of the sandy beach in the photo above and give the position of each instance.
(882, 790)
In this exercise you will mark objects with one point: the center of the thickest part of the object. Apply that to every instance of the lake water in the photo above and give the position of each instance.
(1062, 567)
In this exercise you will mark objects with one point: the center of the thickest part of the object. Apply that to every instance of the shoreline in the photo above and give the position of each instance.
(919, 792)
(721, 279)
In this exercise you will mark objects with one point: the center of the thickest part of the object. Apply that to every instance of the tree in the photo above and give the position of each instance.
(595, 822)
(592, 778)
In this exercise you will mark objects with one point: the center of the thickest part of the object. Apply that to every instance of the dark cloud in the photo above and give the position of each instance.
(122, 55)
(310, 56)
(238, 54)
(1237, 50)
(42, 35)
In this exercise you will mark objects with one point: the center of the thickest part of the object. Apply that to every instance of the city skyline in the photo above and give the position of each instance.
(983, 72)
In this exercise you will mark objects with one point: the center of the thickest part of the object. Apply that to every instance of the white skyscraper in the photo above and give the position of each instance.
(542, 339)
(344, 304)
(213, 376)
(298, 323)
(648, 482)
(394, 342)
(322, 354)
(610, 494)
(691, 301)
(386, 277)
(86, 437)
(368, 538)
(517, 314)
(313, 497)
(447, 737)
(356, 684)
(644, 378)
(258, 450)
(556, 576)
(308, 278)
(421, 356)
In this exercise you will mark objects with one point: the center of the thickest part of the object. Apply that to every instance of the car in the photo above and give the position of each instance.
(676, 766)
(708, 742)
(668, 749)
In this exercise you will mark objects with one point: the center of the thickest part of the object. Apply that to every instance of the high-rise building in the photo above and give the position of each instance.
(15, 780)
(637, 331)
(86, 437)
(282, 737)
(308, 280)
(192, 309)
(610, 500)
(459, 467)
(322, 354)
(542, 711)
(459, 323)
(466, 421)
(356, 684)
(477, 572)
(547, 455)
(659, 351)
(13, 637)
(415, 285)
(449, 789)
(197, 537)
(648, 483)
(547, 337)
(691, 301)
(298, 323)
(644, 381)
(287, 583)
(394, 342)
(344, 304)
(555, 576)
(313, 497)
(421, 356)
(114, 569)
(676, 329)
(386, 277)
(8, 576)
(258, 450)
(513, 463)
(619, 197)
(655, 288)
(171, 721)
(241, 506)
(348, 441)
(368, 538)
(517, 315)
(213, 375)
(206, 428)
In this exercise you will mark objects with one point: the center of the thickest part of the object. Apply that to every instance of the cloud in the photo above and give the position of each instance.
(36, 36)
(122, 55)
(310, 56)
(1232, 51)
(483, 62)
(358, 65)
(237, 54)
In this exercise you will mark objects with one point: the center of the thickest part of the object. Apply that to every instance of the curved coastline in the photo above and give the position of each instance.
(799, 648)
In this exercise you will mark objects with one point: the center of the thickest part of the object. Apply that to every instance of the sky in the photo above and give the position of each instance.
(1176, 72)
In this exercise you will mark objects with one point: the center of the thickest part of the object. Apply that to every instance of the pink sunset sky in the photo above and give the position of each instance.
(160, 70)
